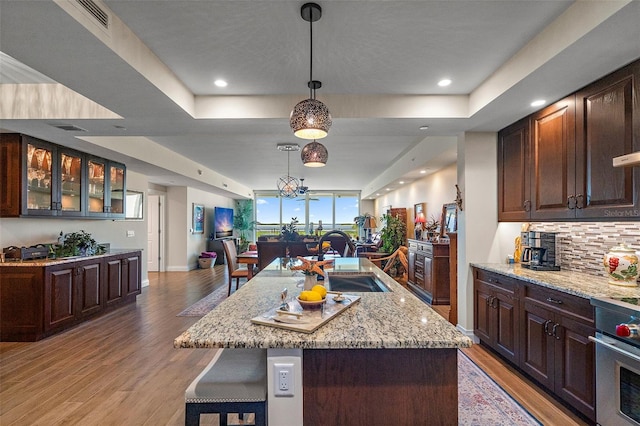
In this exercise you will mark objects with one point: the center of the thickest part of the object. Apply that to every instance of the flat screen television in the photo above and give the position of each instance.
(222, 222)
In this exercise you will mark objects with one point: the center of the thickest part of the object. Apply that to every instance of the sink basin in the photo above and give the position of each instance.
(355, 282)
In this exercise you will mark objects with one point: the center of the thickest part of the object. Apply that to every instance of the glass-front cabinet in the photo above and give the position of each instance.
(57, 181)
(106, 188)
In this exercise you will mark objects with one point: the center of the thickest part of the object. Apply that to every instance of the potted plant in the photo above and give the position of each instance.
(78, 244)
(393, 236)
(433, 227)
(289, 231)
(242, 222)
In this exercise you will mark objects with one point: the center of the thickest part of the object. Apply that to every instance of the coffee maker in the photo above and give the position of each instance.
(539, 251)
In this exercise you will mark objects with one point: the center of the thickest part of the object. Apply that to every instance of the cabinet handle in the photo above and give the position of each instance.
(555, 326)
(489, 300)
(125, 261)
(495, 299)
(546, 327)
(552, 300)
(580, 201)
(571, 202)
(527, 205)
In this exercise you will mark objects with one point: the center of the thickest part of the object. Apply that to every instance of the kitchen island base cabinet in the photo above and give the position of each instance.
(380, 387)
(38, 301)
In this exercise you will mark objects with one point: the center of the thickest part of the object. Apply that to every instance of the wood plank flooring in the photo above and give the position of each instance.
(122, 369)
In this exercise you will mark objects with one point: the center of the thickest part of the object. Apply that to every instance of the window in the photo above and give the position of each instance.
(336, 210)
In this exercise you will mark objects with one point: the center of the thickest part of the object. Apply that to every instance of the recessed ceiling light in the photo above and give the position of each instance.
(378, 194)
(444, 82)
(401, 182)
(388, 189)
(424, 127)
(538, 102)
(423, 172)
(220, 83)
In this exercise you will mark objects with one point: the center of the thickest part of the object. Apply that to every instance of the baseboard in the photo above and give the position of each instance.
(468, 333)
(145, 283)
(177, 269)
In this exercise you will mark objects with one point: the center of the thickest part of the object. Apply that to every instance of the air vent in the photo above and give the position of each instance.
(95, 11)
(69, 127)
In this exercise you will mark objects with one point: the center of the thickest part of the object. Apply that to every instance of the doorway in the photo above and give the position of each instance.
(155, 233)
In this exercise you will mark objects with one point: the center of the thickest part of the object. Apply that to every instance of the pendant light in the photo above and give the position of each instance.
(310, 119)
(288, 186)
(314, 154)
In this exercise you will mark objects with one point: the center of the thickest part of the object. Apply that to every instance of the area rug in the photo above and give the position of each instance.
(206, 304)
(481, 401)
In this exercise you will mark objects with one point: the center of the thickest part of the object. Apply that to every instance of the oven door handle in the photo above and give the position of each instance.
(614, 348)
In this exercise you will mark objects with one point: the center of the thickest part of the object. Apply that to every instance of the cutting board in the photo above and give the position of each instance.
(308, 321)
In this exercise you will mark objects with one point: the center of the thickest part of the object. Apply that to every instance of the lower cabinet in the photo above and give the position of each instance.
(37, 301)
(429, 271)
(543, 332)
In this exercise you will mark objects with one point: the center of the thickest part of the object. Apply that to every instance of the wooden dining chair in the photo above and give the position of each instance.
(232, 264)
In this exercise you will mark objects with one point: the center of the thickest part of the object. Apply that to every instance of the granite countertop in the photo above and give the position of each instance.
(394, 319)
(51, 262)
(571, 282)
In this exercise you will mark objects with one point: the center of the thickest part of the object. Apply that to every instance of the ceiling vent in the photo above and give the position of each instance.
(95, 11)
(69, 127)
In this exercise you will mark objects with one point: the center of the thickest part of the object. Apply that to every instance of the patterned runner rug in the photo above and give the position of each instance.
(481, 401)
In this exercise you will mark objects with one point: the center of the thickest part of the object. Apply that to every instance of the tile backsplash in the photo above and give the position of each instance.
(582, 245)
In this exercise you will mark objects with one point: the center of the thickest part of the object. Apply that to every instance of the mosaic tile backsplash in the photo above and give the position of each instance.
(582, 245)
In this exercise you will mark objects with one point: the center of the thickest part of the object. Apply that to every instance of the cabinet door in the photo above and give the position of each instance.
(96, 175)
(40, 177)
(89, 283)
(514, 182)
(537, 347)
(116, 198)
(114, 290)
(483, 312)
(131, 275)
(506, 320)
(553, 146)
(575, 365)
(606, 120)
(412, 267)
(60, 299)
(71, 183)
(10, 174)
(428, 276)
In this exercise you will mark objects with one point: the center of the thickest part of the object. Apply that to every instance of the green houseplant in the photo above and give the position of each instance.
(393, 234)
(242, 222)
(79, 243)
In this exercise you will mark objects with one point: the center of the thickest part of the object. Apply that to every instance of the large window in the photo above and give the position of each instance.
(336, 210)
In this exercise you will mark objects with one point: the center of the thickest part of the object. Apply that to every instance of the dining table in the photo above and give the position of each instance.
(249, 258)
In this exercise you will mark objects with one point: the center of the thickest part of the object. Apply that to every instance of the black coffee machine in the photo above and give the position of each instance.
(539, 251)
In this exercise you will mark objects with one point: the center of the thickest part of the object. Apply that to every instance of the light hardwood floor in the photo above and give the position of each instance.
(122, 369)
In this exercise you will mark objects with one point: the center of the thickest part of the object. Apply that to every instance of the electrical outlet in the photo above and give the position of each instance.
(283, 379)
(131, 234)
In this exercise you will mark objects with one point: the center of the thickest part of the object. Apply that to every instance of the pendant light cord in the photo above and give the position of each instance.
(312, 91)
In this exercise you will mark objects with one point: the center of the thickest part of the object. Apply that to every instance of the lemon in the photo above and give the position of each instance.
(304, 295)
(313, 296)
(320, 289)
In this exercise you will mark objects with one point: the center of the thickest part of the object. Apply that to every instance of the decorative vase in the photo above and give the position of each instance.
(310, 281)
(621, 264)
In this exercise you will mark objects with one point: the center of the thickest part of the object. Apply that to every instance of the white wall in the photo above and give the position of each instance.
(30, 231)
(184, 247)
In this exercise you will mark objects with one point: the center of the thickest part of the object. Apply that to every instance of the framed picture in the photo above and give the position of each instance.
(419, 219)
(449, 219)
(198, 218)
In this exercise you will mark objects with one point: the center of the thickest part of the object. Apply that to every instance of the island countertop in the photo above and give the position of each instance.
(571, 282)
(385, 320)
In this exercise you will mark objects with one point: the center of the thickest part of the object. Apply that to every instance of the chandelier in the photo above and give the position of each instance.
(288, 186)
(310, 118)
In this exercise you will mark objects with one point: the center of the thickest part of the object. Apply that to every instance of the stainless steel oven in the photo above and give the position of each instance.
(617, 343)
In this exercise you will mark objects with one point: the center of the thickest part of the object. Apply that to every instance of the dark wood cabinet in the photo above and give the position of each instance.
(607, 126)
(514, 186)
(429, 271)
(37, 301)
(557, 164)
(542, 331)
(42, 179)
(496, 313)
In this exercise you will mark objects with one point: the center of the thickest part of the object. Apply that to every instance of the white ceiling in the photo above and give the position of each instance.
(379, 62)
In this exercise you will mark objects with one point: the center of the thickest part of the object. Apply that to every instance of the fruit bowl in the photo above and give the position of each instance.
(311, 305)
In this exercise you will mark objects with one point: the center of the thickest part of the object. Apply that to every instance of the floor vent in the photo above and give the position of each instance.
(69, 127)
(95, 11)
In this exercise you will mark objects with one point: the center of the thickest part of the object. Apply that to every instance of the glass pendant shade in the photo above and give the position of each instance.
(310, 119)
(314, 154)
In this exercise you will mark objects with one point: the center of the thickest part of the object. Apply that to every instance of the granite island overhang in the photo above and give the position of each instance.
(390, 356)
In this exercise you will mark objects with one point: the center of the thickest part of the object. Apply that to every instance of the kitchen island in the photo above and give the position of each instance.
(389, 358)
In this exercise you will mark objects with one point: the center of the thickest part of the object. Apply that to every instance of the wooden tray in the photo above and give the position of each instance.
(306, 321)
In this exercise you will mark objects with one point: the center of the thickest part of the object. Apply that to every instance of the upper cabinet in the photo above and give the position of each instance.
(41, 179)
(557, 164)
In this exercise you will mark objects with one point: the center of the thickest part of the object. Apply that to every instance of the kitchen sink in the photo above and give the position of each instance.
(355, 282)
